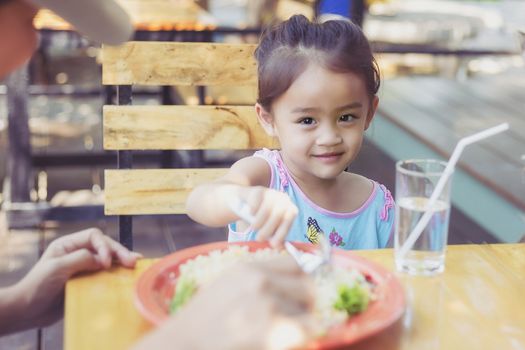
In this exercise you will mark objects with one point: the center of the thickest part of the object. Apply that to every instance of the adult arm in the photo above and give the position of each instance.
(38, 299)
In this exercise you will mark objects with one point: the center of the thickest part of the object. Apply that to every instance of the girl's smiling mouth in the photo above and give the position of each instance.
(328, 157)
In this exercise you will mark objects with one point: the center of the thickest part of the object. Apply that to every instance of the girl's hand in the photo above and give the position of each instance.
(273, 211)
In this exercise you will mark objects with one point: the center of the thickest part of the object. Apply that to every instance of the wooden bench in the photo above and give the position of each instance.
(128, 127)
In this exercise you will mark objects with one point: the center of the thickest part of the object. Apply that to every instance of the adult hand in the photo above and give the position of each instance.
(265, 305)
(41, 292)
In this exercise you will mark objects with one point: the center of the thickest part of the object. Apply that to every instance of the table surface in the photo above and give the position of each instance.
(475, 304)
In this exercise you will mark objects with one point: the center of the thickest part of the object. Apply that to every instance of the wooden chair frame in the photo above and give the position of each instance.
(130, 127)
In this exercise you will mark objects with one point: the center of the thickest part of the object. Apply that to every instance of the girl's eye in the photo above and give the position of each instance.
(306, 121)
(346, 118)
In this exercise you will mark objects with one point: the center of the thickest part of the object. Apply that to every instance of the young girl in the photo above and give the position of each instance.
(317, 96)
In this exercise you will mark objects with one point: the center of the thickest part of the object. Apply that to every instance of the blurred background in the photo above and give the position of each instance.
(449, 68)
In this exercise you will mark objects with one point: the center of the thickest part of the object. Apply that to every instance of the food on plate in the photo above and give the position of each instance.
(340, 293)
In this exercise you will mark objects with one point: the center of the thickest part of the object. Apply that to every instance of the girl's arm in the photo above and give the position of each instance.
(248, 179)
(208, 202)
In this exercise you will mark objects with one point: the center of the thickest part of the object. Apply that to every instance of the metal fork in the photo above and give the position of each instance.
(309, 262)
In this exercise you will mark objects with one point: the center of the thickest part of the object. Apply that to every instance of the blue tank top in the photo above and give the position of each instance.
(369, 227)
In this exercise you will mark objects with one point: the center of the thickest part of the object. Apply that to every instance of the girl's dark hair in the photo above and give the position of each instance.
(286, 49)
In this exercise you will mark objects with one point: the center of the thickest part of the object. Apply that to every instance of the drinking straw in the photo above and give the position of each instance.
(449, 169)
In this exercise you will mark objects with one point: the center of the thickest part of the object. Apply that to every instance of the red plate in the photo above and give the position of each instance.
(155, 287)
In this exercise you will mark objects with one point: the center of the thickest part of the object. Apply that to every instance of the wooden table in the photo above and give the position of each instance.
(476, 304)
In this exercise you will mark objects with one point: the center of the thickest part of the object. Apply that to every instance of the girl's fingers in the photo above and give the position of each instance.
(273, 221)
(269, 227)
(274, 216)
(283, 229)
(279, 227)
(263, 213)
(254, 200)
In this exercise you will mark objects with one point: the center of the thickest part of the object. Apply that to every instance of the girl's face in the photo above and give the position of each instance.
(320, 121)
(18, 36)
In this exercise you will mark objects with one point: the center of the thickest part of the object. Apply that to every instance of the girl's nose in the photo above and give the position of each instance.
(328, 136)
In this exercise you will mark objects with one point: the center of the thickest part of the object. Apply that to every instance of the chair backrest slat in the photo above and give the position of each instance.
(152, 191)
(179, 127)
(172, 63)
(183, 128)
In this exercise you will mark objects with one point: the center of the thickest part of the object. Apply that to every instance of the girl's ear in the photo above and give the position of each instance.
(371, 111)
(265, 119)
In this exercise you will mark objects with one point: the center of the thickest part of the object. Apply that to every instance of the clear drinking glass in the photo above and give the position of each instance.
(415, 182)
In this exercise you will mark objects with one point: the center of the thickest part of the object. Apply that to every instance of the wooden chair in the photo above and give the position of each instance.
(128, 127)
